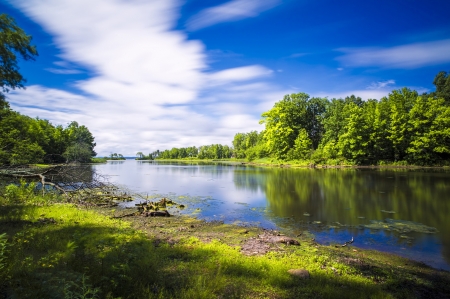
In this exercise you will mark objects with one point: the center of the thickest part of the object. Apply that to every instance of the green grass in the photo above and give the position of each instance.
(58, 250)
(99, 160)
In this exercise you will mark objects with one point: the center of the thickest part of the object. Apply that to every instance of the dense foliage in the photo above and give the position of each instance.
(26, 140)
(403, 127)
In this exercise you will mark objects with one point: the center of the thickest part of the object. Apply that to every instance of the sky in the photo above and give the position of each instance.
(144, 75)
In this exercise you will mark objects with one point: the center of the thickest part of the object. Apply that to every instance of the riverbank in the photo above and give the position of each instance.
(58, 250)
(269, 162)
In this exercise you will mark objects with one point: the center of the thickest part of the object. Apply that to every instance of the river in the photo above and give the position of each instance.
(401, 211)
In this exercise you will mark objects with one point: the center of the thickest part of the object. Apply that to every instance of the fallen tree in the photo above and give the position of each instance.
(78, 183)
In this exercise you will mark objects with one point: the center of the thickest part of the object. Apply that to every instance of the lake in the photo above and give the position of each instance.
(402, 211)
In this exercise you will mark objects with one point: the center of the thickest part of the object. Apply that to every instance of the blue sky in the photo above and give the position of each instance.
(153, 74)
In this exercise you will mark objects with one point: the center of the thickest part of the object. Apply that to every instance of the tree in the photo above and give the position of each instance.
(283, 123)
(353, 144)
(78, 152)
(442, 83)
(14, 42)
(401, 102)
(302, 148)
(430, 131)
(81, 135)
(315, 112)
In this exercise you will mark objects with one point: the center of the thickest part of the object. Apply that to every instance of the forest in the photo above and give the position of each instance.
(25, 140)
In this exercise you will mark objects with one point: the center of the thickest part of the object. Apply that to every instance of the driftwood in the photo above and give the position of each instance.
(346, 243)
(283, 240)
(156, 214)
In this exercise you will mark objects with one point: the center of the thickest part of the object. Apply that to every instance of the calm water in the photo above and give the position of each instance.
(332, 204)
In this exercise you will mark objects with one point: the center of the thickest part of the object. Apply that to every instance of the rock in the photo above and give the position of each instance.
(301, 273)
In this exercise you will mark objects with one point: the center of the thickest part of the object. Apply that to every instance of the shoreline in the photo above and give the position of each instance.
(283, 164)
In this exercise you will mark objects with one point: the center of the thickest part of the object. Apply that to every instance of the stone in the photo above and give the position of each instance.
(301, 273)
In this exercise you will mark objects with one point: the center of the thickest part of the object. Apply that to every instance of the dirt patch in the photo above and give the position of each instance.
(265, 242)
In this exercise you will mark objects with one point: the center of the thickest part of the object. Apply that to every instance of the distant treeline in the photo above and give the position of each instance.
(213, 151)
(25, 140)
(402, 128)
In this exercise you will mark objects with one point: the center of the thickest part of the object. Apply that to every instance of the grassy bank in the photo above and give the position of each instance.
(51, 249)
(272, 162)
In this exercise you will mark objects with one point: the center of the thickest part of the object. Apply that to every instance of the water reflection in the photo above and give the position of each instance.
(333, 203)
(348, 199)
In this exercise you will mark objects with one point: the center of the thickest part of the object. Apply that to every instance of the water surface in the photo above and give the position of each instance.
(394, 210)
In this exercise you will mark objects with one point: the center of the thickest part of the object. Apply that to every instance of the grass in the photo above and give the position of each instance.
(99, 160)
(51, 249)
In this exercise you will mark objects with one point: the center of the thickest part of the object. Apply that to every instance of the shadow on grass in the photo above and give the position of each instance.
(54, 258)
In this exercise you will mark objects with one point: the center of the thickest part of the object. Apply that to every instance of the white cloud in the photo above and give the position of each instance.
(229, 11)
(239, 74)
(150, 89)
(381, 84)
(401, 57)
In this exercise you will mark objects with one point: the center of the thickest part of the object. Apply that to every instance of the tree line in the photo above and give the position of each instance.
(403, 127)
(25, 140)
(213, 151)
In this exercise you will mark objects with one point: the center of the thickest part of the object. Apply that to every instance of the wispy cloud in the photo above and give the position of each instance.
(63, 71)
(231, 11)
(150, 84)
(296, 55)
(380, 84)
(408, 56)
(239, 74)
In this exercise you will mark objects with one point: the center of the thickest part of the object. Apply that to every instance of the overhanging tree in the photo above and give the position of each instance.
(14, 43)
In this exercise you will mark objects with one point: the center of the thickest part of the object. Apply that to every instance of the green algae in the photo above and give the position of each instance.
(401, 226)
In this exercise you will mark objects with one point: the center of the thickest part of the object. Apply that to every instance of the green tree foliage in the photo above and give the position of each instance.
(288, 117)
(353, 144)
(249, 145)
(80, 144)
(18, 145)
(302, 147)
(400, 128)
(213, 151)
(14, 43)
(26, 140)
(430, 131)
(442, 83)
(283, 123)
(78, 152)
